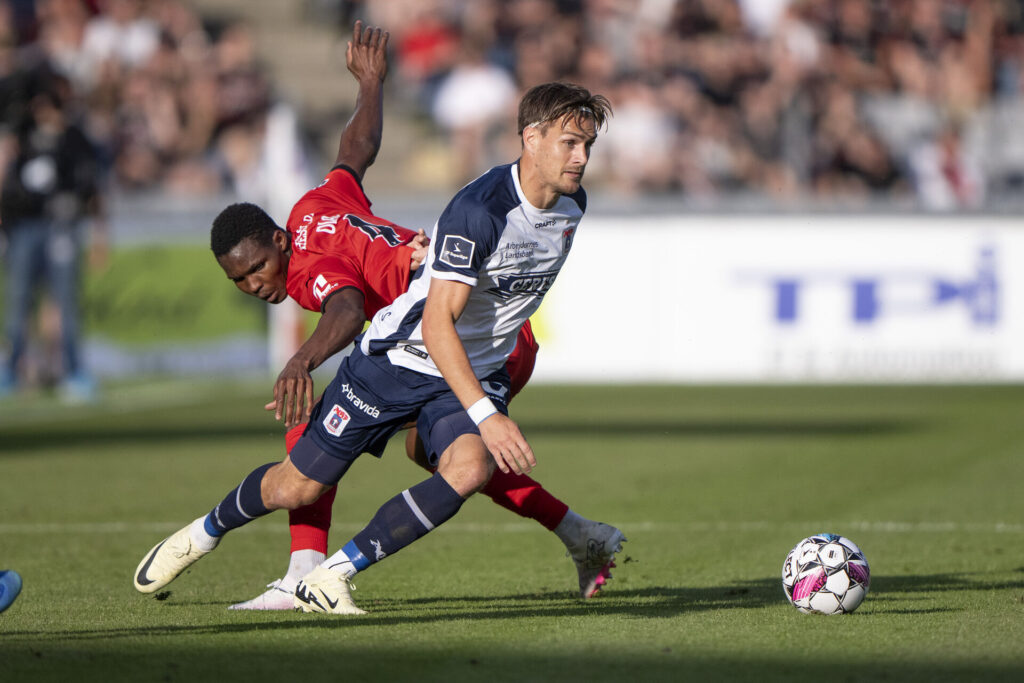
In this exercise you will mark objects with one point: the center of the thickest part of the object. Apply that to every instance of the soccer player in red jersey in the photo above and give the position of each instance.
(337, 258)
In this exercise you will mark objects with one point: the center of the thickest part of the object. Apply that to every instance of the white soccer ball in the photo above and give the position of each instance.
(826, 574)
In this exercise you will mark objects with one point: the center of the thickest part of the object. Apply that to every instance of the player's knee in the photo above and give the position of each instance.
(482, 472)
(287, 489)
(290, 498)
(467, 470)
(307, 494)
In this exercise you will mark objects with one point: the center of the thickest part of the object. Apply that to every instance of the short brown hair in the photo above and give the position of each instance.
(549, 102)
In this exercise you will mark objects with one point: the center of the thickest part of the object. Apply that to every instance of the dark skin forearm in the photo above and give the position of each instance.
(342, 320)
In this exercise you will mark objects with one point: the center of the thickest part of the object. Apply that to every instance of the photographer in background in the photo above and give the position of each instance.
(50, 183)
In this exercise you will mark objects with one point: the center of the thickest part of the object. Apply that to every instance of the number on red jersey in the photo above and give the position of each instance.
(385, 232)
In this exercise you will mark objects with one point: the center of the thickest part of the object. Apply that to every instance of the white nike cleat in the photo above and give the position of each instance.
(327, 591)
(594, 555)
(279, 596)
(169, 558)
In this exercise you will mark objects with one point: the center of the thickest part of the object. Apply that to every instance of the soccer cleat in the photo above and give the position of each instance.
(10, 587)
(166, 560)
(327, 591)
(279, 596)
(594, 556)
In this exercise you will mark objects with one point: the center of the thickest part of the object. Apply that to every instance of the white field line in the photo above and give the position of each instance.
(522, 527)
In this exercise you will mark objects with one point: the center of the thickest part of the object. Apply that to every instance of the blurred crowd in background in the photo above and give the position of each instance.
(844, 100)
(839, 104)
(914, 101)
(169, 100)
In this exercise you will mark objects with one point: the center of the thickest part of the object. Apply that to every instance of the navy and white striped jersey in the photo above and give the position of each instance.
(509, 251)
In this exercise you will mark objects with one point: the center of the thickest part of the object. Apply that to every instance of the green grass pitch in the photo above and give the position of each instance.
(712, 485)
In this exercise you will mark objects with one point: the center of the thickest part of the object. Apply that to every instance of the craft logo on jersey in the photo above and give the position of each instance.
(533, 284)
(321, 287)
(336, 420)
(456, 251)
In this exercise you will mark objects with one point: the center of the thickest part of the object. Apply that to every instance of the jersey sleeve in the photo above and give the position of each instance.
(313, 278)
(466, 235)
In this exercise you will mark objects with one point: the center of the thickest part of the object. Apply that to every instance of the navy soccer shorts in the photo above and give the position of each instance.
(369, 400)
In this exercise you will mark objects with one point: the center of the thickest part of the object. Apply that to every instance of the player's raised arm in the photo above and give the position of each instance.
(366, 58)
(444, 304)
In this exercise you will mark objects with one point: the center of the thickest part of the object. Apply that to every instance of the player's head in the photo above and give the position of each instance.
(252, 250)
(558, 123)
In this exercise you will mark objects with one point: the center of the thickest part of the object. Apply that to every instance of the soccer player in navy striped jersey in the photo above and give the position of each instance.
(436, 355)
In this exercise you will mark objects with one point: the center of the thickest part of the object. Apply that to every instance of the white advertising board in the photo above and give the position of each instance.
(859, 298)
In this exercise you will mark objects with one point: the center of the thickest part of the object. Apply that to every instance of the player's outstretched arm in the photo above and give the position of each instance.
(366, 58)
(342, 320)
(445, 302)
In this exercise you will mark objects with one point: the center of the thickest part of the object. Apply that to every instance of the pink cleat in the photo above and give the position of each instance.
(594, 556)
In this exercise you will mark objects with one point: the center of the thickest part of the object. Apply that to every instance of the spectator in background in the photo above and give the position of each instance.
(470, 105)
(639, 148)
(50, 183)
(176, 103)
(946, 176)
(426, 45)
(762, 79)
(120, 34)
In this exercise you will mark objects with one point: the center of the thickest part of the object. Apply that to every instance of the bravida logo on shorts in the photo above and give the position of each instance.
(336, 420)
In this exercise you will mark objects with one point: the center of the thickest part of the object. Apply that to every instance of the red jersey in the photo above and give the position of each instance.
(522, 359)
(337, 242)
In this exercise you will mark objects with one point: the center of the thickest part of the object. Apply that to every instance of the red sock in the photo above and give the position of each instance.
(525, 497)
(309, 525)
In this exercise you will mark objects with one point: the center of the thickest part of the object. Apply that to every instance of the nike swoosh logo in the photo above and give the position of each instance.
(306, 596)
(332, 604)
(142, 579)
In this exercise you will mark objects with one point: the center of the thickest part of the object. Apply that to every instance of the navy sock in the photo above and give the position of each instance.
(241, 506)
(400, 521)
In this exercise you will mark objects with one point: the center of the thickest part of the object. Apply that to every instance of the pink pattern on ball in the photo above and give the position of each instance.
(806, 586)
(857, 572)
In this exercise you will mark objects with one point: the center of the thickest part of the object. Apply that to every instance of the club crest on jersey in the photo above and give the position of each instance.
(456, 251)
(336, 420)
(567, 236)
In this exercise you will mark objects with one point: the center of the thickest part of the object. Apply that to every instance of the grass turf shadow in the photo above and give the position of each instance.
(21, 439)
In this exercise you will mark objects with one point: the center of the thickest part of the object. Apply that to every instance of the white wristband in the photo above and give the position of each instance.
(481, 410)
